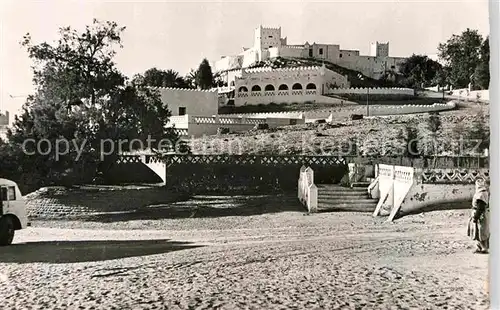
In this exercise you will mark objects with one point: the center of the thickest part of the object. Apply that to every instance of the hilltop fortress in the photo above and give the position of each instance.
(268, 44)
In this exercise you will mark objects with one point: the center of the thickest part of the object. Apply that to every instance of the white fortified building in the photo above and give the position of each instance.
(268, 44)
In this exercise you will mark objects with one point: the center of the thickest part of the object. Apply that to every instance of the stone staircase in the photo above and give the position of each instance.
(338, 198)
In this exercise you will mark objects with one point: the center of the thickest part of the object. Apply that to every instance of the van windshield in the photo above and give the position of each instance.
(3, 194)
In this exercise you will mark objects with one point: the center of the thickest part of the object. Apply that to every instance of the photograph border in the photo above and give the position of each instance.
(494, 285)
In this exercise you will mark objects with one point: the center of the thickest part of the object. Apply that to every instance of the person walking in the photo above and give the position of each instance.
(478, 227)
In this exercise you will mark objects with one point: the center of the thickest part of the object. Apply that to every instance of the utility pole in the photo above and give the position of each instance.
(367, 102)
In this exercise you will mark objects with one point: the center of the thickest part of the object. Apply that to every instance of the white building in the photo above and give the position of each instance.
(269, 44)
(4, 124)
(181, 101)
(287, 85)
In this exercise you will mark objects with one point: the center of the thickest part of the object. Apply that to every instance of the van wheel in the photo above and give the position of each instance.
(6, 230)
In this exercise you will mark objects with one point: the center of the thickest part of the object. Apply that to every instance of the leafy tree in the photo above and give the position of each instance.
(419, 70)
(461, 54)
(81, 97)
(441, 77)
(482, 72)
(204, 76)
(82, 60)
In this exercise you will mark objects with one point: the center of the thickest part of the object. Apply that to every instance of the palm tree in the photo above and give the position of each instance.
(162, 78)
(191, 78)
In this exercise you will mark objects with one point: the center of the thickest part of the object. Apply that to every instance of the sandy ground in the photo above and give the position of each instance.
(281, 260)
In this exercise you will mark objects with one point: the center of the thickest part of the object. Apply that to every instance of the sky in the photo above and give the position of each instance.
(178, 35)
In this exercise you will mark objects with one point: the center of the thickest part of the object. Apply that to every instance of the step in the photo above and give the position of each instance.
(360, 184)
(347, 202)
(346, 208)
(336, 188)
(342, 195)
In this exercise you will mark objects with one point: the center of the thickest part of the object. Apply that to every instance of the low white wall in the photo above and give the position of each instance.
(409, 190)
(3, 132)
(307, 190)
(391, 186)
(471, 95)
(374, 111)
(410, 109)
(373, 91)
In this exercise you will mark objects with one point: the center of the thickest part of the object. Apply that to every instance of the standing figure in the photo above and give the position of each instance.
(478, 228)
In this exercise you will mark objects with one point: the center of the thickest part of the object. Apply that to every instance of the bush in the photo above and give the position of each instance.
(222, 130)
(261, 126)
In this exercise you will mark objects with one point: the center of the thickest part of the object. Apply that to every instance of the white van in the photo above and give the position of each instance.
(13, 213)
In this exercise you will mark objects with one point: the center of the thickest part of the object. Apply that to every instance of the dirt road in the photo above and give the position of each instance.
(271, 261)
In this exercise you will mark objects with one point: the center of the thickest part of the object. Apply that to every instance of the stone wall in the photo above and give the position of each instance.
(245, 178)
(54, 202)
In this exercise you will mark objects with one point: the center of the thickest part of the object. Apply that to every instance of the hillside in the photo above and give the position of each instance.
(372, 136)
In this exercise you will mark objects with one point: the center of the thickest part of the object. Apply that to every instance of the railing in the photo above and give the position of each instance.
(283, 93)
(453, 175)
(204, 119)
(307, 191)
(269, 93)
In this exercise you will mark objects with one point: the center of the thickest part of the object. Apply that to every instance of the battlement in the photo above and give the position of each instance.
(294, 46)
(183, 89)
(271, 28)
(270, 69)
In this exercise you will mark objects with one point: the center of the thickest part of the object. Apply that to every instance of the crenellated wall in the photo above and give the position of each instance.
(373, 91)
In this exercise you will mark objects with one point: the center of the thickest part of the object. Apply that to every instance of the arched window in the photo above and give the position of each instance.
(283, 87)
(232, 83)
(242, 89)
(256, 88)
(269, 87)
(311, 86)
(297, 86)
